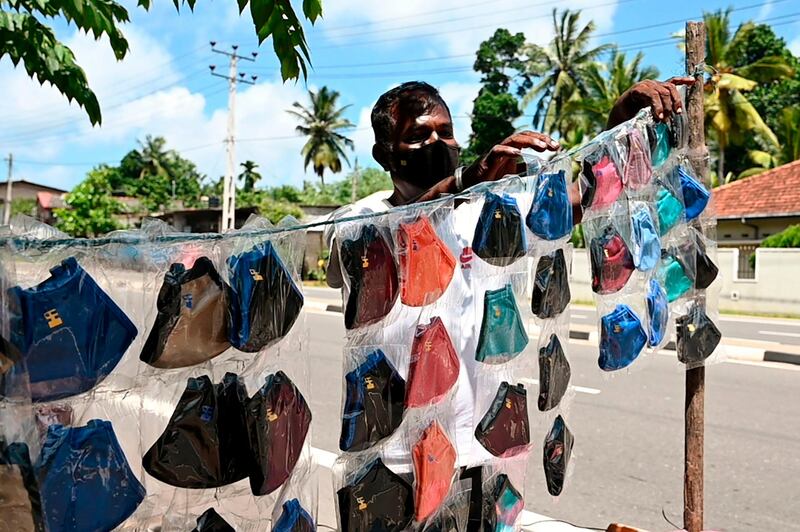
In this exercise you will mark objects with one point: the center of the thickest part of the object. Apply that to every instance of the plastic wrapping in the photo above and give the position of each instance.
(557, 452)
(426, 263)
(434, 465)
(375, 499)
(500, 237)
(505, 428)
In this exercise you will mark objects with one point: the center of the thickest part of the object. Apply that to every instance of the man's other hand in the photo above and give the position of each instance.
(502, 159)
(661, 97)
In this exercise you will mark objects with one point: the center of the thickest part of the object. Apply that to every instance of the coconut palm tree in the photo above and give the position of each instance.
(604, 86)
(563, 66)
(321, 123)
(730, 117)
(250, 176)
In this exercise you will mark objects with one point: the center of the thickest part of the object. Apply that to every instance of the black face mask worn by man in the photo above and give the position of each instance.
(427, 165)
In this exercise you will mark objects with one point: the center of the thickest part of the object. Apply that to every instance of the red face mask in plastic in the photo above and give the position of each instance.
(426, 264)
(434, 365)
(434, 467)
(612, 262)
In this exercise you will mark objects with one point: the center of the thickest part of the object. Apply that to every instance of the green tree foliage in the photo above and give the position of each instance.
(788, 238)
(91, 206)
(502, 64)
(563, 67)
(26, 206)
(249, 176)
(157, 176)
(26, 37)
(321, 123)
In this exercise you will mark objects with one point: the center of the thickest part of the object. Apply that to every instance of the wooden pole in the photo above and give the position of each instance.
(694, 418)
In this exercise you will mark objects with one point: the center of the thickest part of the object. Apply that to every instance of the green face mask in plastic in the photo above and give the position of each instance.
(503, 334)
(670, 210)
(661, 151)
(674, 278)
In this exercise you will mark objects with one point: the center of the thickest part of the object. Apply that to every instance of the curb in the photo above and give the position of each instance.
(736, 352)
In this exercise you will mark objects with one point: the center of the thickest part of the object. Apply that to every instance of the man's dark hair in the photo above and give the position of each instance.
(412, 97)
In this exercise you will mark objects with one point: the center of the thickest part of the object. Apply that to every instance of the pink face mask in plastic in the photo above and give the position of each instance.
(638, 168)
(608, 183)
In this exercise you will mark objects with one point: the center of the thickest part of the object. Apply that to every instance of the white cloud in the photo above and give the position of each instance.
(794, 46)
(459, 97)
(765, 10)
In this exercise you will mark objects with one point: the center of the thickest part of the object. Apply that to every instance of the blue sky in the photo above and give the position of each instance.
(360, 48)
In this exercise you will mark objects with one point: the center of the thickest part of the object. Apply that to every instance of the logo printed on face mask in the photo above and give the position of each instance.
(53, 319)
(187, 301)
(368, 383)
(428, 345)
(508, 404)
(466, 258)
(206, 413)
(497, 312)
(364, 262)
(255, 275)
(498, 215)
(362, 504)
(271, 415)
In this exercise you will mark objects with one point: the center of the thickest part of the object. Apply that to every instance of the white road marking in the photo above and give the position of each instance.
(579, 389)
(779, 333)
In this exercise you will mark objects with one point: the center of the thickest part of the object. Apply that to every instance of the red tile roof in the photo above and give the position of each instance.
(773, 193)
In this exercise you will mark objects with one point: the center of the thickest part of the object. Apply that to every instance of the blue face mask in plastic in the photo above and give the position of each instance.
(500, 236)
(670, 210)
(294, 518)
(85, 480)
(550, 216)
(503, 335)
(645, 244)
(660, 152)
(70, 333)
(695, 195)
(657, 313)
(673, 276)
(622, 338)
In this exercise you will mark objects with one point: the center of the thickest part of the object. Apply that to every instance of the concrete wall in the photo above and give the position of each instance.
(776, 288)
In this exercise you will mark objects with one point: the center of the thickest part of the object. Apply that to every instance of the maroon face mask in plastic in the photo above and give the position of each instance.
(612, 262)
(434, 365)
(505, 431)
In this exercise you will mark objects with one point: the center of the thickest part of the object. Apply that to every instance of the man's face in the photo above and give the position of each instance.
(412, 132)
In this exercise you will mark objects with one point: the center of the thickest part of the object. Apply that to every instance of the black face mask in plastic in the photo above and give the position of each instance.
(554, 374)
(372, 271)
(705, 269)
(697, 336)
(378, 500)
(505, 431)
(211, 521)
(557, 452)
(375, 398)
(551, 292)
(500, 235)
(20, 502)
(205, 443)
(191, 324)
(278, 419)
(264, 300)
(503, 504)
(426, 166)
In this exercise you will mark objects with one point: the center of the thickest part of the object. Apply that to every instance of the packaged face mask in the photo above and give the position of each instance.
(657, 314)
(278, 419)
(426, 263)
(551, 293)
(191, 325)
(661, 151)
(504, 430)
(378, 500)
(673, 277)
(611, 261)
(557, 453)
(503, 334)
(374, 287)
(554, 374)
(645, 243)
(603, 183)
(211, 521)
(698, 337)
(670, 210)
(622, 338)
(705, 269)
(70, 333)
(205, 444)
(375, 397)
(678, 131)
(81, 470)
(294, 518)
(638, 170)
(434, 365)
(550, 216)
(20, 501)
(695, 195)
(434, 468)
(500, 236)
(503, 505)
(264, 300)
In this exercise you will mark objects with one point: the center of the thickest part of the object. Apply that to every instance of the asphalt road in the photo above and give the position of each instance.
(629, 439)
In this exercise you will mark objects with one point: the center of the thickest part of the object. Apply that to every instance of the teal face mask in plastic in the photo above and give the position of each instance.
(670, 210)
(673, 277)
(503, 335)
(661, 151)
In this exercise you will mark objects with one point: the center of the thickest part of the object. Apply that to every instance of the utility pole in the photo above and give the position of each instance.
(234, 77)
(9, 192)
(354, 184)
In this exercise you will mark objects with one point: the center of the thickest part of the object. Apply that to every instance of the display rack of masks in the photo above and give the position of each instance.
(158, 380)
